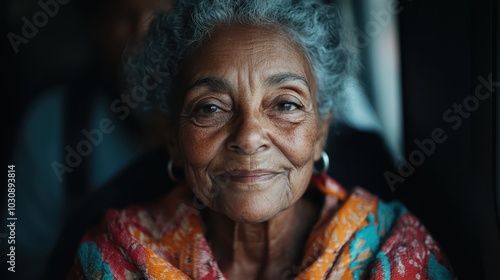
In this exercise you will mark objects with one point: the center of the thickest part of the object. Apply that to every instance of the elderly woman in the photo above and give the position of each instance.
(249, 98)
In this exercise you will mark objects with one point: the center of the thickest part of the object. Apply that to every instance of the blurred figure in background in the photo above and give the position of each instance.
(78, 135)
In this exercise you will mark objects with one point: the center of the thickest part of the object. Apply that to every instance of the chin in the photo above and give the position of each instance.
(252, 209)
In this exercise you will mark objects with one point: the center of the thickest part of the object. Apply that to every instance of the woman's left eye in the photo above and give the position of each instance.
(287, 106)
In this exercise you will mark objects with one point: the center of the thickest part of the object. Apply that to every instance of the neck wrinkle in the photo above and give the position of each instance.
(261, 249)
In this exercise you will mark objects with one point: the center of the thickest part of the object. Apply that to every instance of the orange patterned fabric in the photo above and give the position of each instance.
(363, 238)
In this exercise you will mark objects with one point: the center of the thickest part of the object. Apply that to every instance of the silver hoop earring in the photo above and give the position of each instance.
(170, 172)
(326, 163)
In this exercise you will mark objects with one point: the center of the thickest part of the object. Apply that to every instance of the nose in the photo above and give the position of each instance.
(249, 137)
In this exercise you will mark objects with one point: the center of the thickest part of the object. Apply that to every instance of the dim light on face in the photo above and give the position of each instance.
(249, 130)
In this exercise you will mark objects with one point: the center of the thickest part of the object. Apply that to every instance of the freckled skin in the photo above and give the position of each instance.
(248, 146)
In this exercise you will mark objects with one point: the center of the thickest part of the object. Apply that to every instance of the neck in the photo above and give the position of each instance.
(263, 250)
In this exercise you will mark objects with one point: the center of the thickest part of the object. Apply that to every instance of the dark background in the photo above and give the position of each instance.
(445, 46)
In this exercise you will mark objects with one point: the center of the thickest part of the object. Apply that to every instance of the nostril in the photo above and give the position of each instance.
(248, 139)
(246, 149)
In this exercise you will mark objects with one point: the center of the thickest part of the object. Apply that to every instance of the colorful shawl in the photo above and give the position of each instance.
(363, 238)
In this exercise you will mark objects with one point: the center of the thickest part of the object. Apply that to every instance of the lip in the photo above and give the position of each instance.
(250, 176)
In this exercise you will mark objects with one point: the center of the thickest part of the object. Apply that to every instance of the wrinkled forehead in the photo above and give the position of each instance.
(233, 48)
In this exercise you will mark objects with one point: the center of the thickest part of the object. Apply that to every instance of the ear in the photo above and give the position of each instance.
(322, 136)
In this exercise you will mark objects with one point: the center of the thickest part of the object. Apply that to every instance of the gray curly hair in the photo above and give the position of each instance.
(315, 27)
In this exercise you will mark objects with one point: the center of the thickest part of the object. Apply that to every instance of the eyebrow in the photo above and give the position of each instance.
(281, 78)
(212, 83)
(219, 84)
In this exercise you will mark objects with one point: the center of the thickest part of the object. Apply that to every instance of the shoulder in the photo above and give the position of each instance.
(151, 219)
(125, 240)
(410, 249)
(406, 247)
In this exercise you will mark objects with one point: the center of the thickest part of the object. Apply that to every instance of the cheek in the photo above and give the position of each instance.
(297, 143)
(198, 147)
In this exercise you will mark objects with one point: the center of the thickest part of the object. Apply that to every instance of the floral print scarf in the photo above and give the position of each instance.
(356, 237)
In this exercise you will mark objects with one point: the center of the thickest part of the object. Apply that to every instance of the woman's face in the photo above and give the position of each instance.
(248, 131)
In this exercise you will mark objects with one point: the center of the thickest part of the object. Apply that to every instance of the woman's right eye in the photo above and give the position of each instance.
(209, 114)
(207, 109)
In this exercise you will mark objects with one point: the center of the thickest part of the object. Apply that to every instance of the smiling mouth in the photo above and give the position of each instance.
(250, 176)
